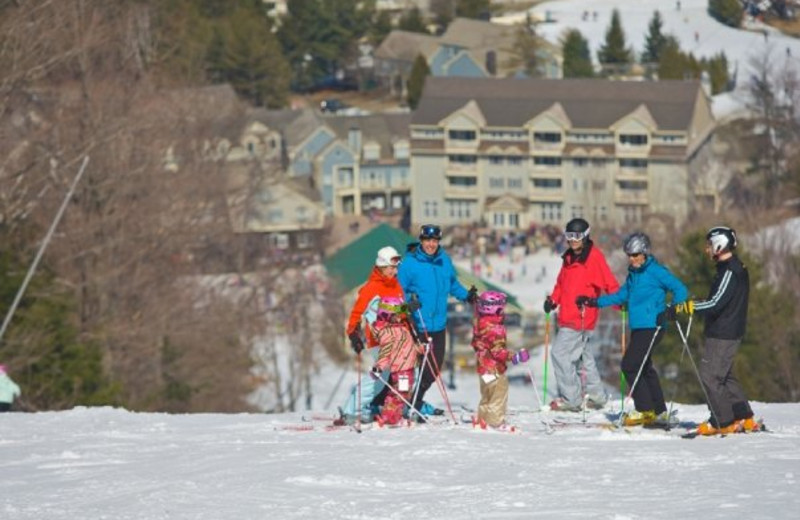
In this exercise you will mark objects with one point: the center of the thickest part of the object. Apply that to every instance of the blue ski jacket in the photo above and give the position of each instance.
(645, 293)
(432, 278)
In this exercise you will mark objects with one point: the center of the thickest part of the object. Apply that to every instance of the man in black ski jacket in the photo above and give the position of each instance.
(725, 315)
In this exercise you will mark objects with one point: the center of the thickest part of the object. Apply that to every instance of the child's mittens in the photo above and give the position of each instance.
(520, 357)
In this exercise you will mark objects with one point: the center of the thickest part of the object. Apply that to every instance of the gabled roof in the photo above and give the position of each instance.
(384, 129)
(351, 265)
(588, 103)
(406, 46)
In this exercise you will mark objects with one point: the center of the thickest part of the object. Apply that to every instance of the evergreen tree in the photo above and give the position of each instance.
(614, 50)
(412, 21)
(728, 12)
(577, 57)
(477, 9)
(654, 40)
(252, 61)
(672, 63)
(55, 368)
(717, 68)
(416, 81)
(381, 28)
(524, 55)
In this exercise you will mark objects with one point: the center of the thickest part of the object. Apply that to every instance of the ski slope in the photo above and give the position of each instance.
(695, 29)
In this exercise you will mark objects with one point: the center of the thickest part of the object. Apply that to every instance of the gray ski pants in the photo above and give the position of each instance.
(726, 396)
(572, 353)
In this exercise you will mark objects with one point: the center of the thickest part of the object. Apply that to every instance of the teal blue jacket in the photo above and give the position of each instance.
(645, 293)
(8, 389)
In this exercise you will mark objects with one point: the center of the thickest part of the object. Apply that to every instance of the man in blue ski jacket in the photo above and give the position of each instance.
(428, 277)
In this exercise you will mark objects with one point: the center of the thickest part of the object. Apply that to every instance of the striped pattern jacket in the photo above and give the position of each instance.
(725, 309)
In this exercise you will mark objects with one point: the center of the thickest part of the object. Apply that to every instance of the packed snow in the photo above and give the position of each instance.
(93, 463)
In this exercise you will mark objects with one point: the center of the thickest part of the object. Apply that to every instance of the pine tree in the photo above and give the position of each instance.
(412, 21)
(654, 41)
(717, 68)
(477, 9)
(728, 12)
(524, 55)
(614, 51)
(577, 57)
(416, 80)
(672, 63)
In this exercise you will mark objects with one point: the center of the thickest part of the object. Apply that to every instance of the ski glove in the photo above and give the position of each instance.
(585, 301)
(356, 343)
(413, 304)
(520, 357)
(686, 307)
(472, 295)
(549, 305)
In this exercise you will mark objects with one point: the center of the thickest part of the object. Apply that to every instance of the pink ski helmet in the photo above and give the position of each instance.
(491, 303)
(389, 307)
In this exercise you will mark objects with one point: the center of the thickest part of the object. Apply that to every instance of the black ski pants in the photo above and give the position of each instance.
(647, 394)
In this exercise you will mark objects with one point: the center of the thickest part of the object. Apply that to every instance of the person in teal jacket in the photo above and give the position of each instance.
(428, 278)
(644, 292)
(9, 390)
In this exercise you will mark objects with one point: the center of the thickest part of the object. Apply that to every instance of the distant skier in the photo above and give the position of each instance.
(493, 355)
(399, 352)
(725, 314)
(644, 292)
(9, 390)
(584, 271)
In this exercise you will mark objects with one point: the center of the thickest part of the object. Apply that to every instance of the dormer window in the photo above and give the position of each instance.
(547, 137)
(633, 139)
(372, 152)
(462, 135)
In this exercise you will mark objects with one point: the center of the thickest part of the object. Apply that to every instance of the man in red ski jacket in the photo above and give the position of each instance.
(584, 272)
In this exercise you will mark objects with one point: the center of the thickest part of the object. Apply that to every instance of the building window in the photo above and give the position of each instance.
(580, 162)
(496, 159)
(547, 137)
(551, 212)
(633, 185)
(304, 240)
(549, 184)
(278, 240)
(514, 160)
(461, 135)
(632, 214)
(515, 184)
(549, 162)
(633, 139)
(461, 209)
(372, 152)
(463, 182)
(496, 182)
(462, 160)
(633, 163)
(577, 211)
(499, 219)
(431, 208)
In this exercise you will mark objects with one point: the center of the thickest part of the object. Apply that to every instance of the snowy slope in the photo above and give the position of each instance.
(107, 463)
(695, 29)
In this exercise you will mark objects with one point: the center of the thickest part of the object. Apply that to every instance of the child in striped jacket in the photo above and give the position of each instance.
(398, 353)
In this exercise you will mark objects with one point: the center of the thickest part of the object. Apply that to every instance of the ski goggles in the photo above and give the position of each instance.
(400, 308)
(430, 231)
(574, 236)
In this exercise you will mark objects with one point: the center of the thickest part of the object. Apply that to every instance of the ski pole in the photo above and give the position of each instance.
(432, 355)
(399, 395)
(583, 363)
(641, 367)
(546, 351)
(697, 372)
(624, 312)
(680, 362)
(358, 397)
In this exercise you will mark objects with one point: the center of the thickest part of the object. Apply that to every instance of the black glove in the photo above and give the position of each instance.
(671, 313)
(585, 301)
(549, 305)
(376, 373)
(661, 319)
(413, 304)
(472, 295)
(356, 343)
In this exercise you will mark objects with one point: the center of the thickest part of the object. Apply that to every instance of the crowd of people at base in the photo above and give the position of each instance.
(402, 310)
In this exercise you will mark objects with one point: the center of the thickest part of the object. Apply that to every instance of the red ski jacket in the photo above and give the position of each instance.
(377, 285)
(586, 274)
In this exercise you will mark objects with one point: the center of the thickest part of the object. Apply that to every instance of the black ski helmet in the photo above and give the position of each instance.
(721, 239)
(577, 229)
(636, 243)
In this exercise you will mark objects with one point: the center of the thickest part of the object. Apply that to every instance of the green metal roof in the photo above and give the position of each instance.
(351, 265)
